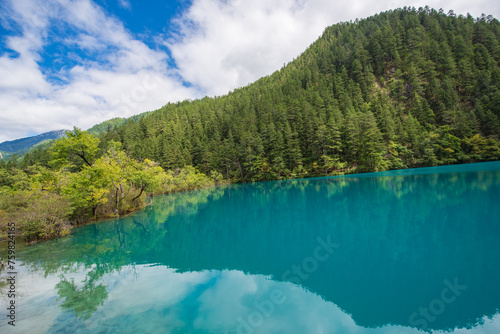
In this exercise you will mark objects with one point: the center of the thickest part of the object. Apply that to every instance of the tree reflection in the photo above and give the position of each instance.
(85, 300)
(106, 247)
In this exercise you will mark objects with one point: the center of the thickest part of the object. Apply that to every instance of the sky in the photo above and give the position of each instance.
(66, 63)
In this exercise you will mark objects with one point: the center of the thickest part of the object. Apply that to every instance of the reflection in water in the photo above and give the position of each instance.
(245, 259)
(207, 302)
(82, 301)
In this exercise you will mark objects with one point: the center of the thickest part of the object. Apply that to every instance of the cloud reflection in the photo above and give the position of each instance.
(200, 302)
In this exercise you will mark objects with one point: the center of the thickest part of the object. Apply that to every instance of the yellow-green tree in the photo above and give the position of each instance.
(78, 148)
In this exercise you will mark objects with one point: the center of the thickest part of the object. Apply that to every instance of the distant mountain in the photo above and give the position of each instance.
(23, 145)
(103, 127)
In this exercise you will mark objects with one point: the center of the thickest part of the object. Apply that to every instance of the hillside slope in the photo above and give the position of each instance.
(106, 126)
(23, 145)
(20, 144)
(404, 88)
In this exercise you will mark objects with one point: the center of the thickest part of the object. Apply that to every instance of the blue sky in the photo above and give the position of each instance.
(66, 63)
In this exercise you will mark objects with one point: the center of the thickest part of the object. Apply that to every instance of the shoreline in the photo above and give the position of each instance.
(23, 240)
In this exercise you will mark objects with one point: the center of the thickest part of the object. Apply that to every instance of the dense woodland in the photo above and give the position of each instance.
(404, 88)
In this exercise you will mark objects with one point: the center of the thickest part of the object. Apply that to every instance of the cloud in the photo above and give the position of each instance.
(125, 4)
(101, 70)
(114, 75)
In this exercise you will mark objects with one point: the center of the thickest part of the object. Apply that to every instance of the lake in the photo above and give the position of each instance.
(403, 252)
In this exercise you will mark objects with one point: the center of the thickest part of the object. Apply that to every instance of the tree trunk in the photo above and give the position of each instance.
(82, 155)
(136, 197)
(239, 166)
(117, 202)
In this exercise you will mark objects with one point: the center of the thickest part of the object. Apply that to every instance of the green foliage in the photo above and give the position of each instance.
(88, 189)
(37, 214)
(404, 88)
(148, 177)
(480, 148)
(78, 148)
(106, 126)
(187, 178)
(43, 200)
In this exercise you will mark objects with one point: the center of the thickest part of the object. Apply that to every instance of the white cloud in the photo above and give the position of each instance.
(125, 4)
(219, 46)
(130, 79)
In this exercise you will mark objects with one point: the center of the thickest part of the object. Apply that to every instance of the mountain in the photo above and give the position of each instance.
(23, 145)
(19, 144)
(403, 88)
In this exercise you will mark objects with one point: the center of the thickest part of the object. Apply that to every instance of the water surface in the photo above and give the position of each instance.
(394, 252)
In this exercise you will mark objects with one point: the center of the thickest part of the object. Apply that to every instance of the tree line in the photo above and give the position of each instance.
(84, 179)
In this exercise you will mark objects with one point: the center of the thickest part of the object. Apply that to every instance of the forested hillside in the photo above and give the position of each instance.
(404, 88)
(105, 126)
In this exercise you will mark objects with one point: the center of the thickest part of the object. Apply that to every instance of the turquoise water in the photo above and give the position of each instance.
(407, 251)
